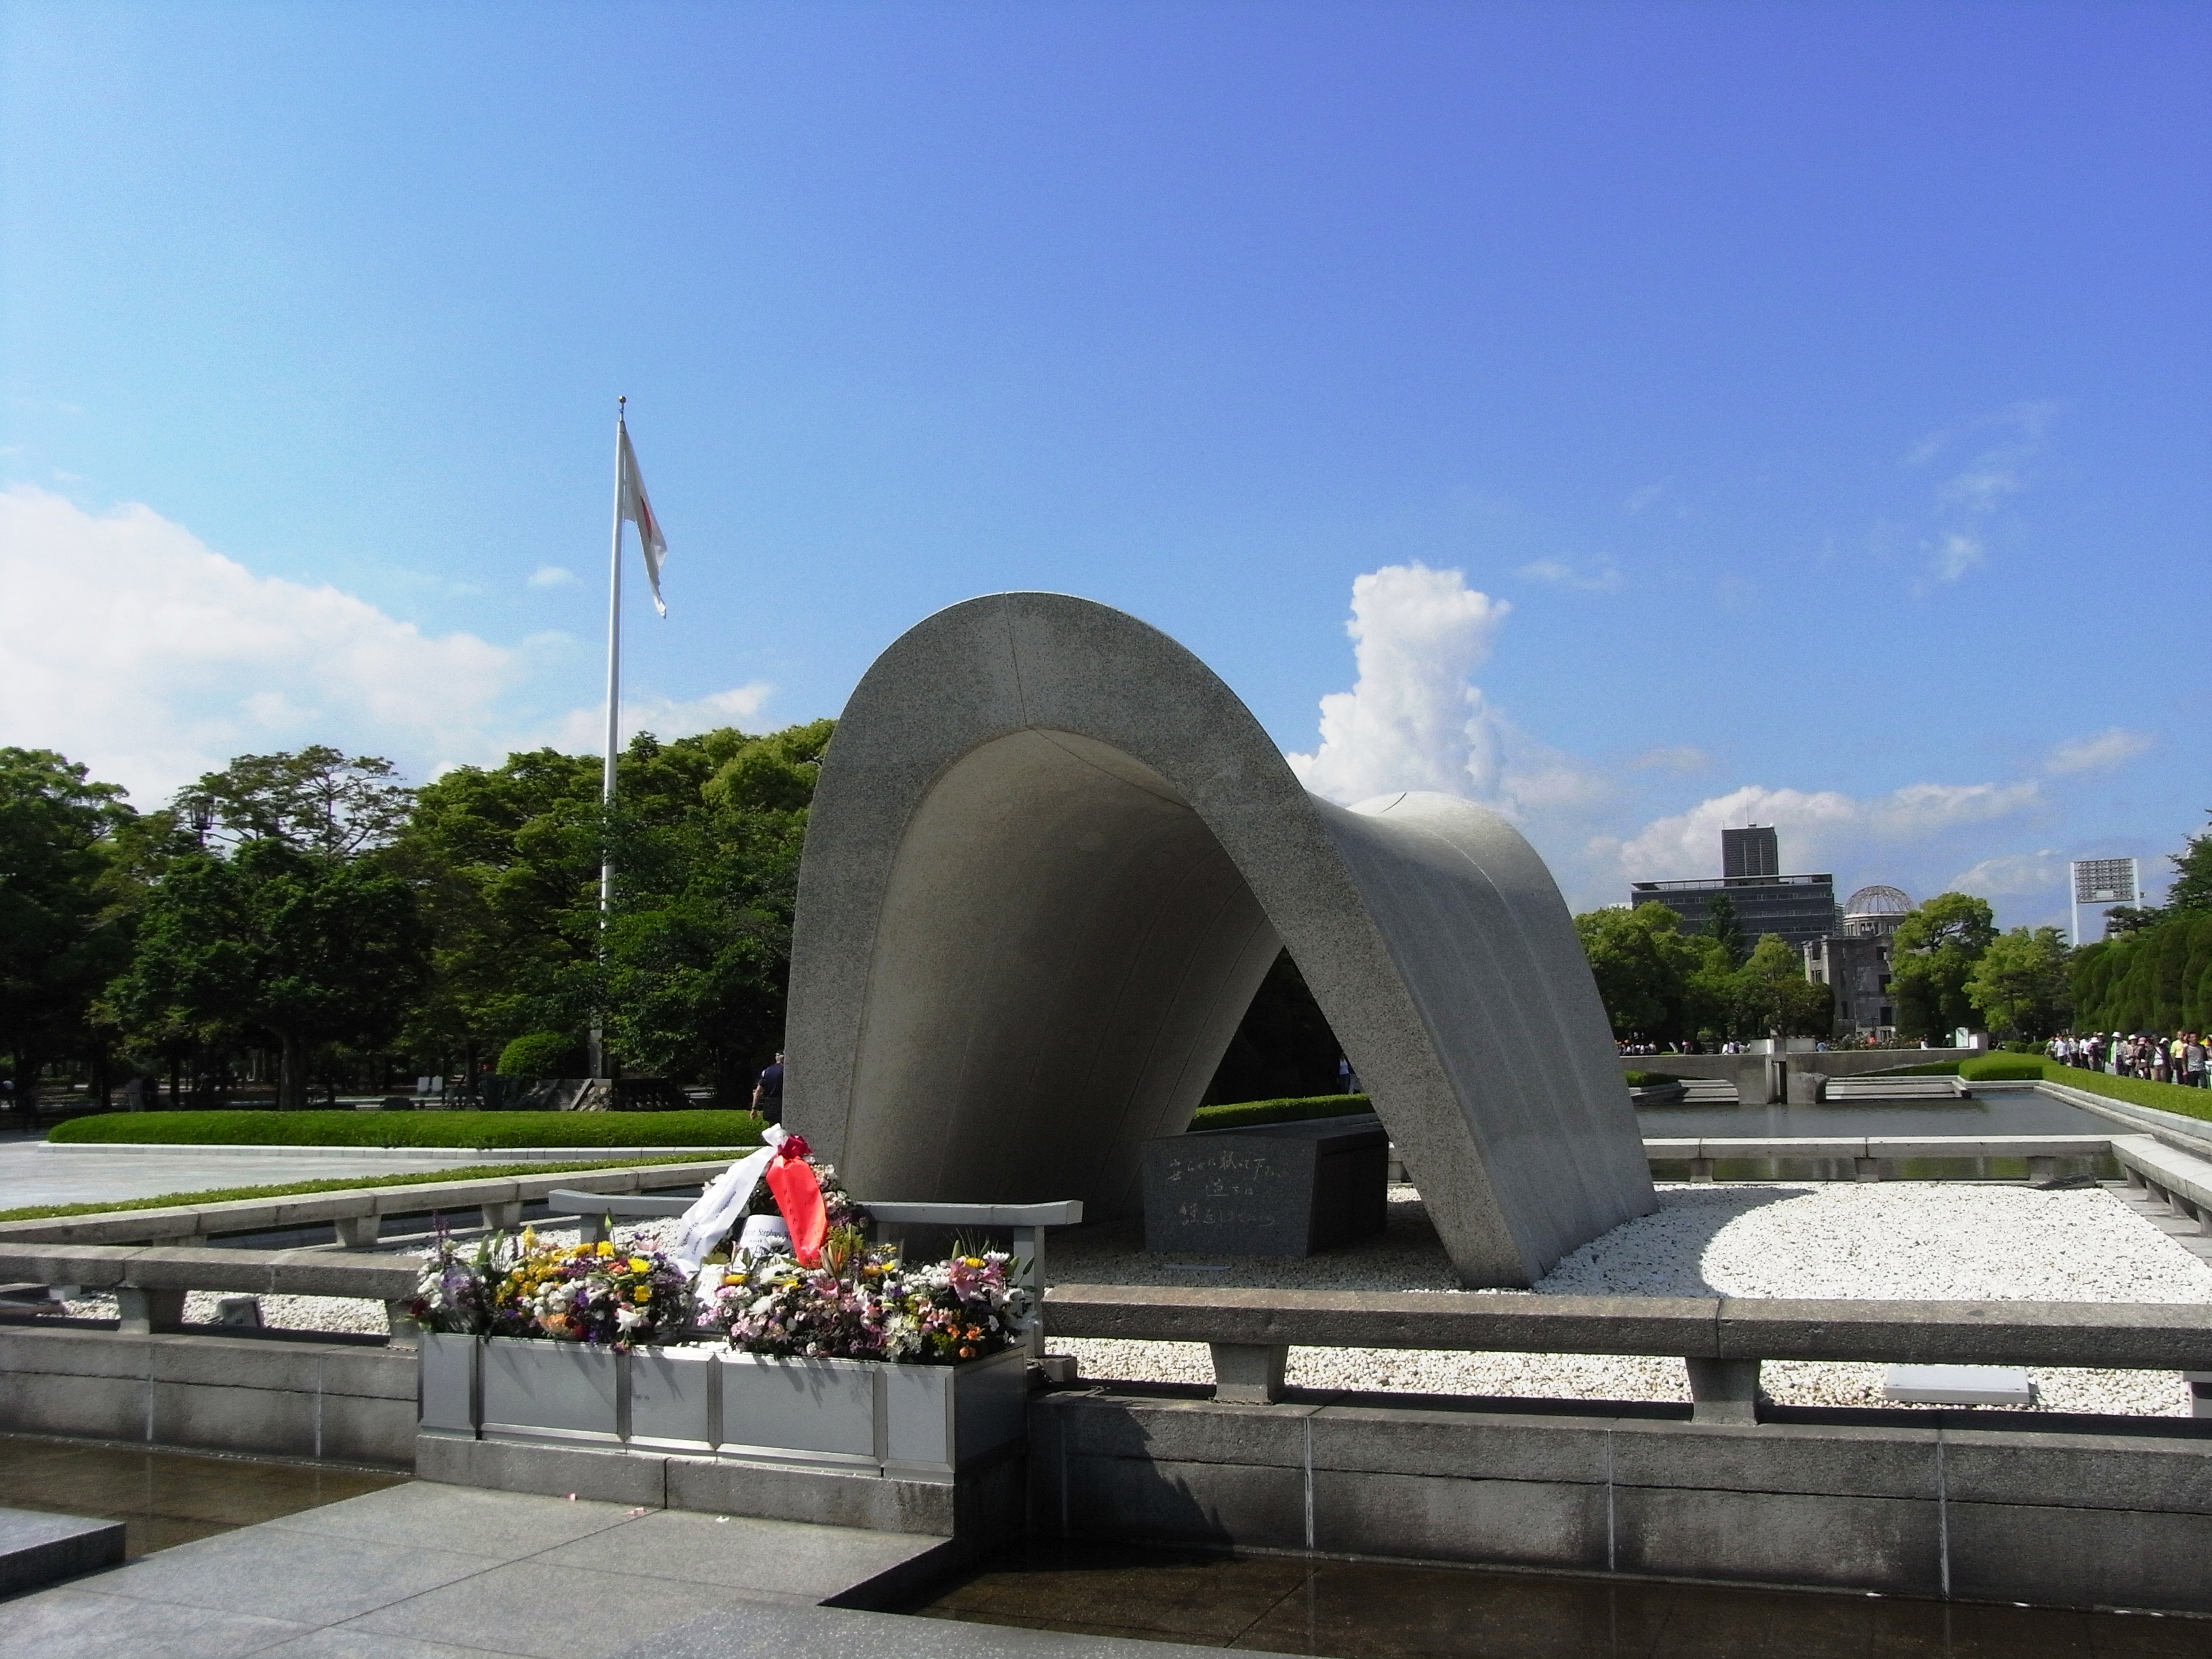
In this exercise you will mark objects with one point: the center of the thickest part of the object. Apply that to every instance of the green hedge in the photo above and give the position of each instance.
(342, 1184)
(1649, 1079)
(348, 1128)
(1245, 1112)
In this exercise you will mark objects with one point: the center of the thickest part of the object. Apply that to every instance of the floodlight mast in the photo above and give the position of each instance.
(2101, 881)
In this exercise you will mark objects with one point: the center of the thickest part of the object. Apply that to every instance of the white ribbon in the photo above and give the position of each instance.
(724, 1201)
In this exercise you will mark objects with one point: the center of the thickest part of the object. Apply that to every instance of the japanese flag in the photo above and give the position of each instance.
(639, 511)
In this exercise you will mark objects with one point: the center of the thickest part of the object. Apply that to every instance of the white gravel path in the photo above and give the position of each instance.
(1910, 1240)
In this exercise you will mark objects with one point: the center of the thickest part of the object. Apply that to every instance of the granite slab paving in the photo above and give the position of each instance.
(421, 1570)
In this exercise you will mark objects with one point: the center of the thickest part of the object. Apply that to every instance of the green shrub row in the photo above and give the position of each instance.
(350, 1128)
(1244, 1114)
(344, 1184)
(1649, 1079)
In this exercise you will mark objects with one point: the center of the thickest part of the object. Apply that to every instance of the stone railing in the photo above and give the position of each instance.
(1871, 1156)
(1723, 1341)
(149, 1284)
(356, 1215)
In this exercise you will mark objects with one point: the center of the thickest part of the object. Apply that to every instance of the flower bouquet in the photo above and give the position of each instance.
(599, 1294)
(862, 1303)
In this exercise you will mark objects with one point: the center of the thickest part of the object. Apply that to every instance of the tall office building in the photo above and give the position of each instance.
(1754, 851)
(1797, 908)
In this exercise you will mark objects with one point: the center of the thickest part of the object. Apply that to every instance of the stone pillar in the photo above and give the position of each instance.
(144, 1312)
(357, 1232)
(1248, 1374)
(1723, 1390)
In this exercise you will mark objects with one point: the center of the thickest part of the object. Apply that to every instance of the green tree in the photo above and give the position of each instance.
(1933, 954)
(2022, 984)
(64, 927)
(1643, 965)
(1772, 996)
(1724, 930)
(285, 921)
(688, 975)
(2191, 889)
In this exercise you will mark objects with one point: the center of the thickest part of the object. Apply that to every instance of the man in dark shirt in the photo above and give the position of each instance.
(768, 1093)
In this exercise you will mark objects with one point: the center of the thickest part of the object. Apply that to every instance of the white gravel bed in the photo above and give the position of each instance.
(1878, 1241)
(1897, 1240)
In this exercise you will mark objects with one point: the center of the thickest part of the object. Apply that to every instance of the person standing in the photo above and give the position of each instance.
(768, 1093)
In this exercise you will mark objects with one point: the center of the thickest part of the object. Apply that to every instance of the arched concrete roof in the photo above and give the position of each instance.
(1051, 856)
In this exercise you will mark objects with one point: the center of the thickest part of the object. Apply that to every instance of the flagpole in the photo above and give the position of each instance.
(598, 1055)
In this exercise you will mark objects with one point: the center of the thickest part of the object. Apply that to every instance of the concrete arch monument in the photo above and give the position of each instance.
(1051, 856)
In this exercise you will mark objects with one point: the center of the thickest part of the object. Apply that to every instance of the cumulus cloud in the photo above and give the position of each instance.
(127, 644)
(585, 729)
(550, 575)
(1414, 719)
(2107, 749)
(1815, 826)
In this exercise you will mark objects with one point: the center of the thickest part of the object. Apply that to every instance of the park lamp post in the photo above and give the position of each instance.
(199, 811)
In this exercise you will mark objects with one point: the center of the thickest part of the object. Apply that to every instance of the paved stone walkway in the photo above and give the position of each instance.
(429, 1571)
(31, 1175)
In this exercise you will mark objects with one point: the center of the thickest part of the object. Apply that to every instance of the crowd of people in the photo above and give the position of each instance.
(2180, 1058)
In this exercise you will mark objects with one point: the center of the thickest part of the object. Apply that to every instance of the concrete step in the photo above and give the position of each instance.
(38, 1549)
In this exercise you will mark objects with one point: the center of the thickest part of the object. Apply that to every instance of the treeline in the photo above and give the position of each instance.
(1950, 968)
(1662, 985)
(310, 911)
(2154, 972)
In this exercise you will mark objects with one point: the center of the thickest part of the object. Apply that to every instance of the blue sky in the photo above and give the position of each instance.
(1812, 401)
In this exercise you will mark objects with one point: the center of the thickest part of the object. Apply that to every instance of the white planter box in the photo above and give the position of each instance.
(546, 1390)
(937, 1418)
(673, 1404)
(451, 1375)
(917, 1422)
(820, 1412)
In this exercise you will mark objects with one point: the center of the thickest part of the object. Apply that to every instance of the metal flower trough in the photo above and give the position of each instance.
(866, 1417)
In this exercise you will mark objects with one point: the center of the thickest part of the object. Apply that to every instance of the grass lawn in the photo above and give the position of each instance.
(1245, 1112)
(344, 1184)
(351, 1128)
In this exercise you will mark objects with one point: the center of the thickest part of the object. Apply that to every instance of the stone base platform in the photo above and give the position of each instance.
(987, 1503)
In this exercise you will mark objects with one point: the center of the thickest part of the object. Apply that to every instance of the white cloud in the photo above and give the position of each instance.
(1602, 580)
(585, 730)
(2107, 749)
(128, 644)
(1971, 496)
(2009, 874)
(1816, 828)
(1955, 554)
(550, 575)
(1414, 719)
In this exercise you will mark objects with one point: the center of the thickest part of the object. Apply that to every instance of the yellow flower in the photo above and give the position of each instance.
(638, 1264)
(642, 1294)
(606, 1247)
